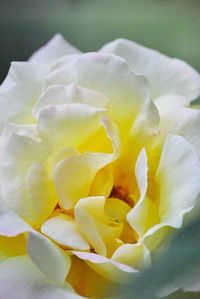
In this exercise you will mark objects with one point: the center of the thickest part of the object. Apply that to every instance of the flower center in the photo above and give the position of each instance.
(122, 193)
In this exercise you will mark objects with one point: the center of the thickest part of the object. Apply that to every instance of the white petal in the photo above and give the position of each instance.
(179, 120)
(28, 130)
(63, 230)
(141, 172)
(178, 176)
(25, 183)
(54, 49)
(166, 75)
(48, 257)
(19, 92)
(19, 278)
(178, 179)
(11, 224)
(146, 126)
(169, 101)
(109, 75)
(72, 93)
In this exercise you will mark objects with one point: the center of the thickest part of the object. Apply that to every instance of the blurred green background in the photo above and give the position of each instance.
(171, 27)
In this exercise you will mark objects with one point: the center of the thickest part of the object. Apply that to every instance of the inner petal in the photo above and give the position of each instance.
(63, 230)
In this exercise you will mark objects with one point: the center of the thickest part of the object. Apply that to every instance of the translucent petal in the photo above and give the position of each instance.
(165, 75)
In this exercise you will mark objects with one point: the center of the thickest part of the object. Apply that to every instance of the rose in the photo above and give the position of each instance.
(93, 173)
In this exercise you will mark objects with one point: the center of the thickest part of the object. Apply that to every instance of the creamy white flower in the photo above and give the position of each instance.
(99, 161)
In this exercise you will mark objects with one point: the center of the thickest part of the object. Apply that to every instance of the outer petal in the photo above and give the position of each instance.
(166, 75)
(25, 184)
(11, 225)
(110, 75)
(48, 258)
(192, 284)
(19, 278)
(178, 179)
(19, 92)
(72, 93)
(54, 49)
(179, 120)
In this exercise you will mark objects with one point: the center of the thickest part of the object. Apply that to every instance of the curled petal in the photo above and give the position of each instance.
(107, 268)
(109, 75)
(70, 94)
(95, 225)
(177, 178)
(19, 92)
(165, 75)
(144, 214)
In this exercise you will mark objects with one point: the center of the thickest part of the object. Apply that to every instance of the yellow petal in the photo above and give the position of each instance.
(82, 168)
(60, 125)
(103, 183)
(134, 255)
(108, 268)
(63, 230)
(91, 211)
(88, 283)
(12, 246)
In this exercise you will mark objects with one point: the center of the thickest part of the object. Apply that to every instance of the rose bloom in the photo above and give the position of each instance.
(99, 162)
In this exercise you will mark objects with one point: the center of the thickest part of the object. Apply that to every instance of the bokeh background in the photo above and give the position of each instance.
(170, 26)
